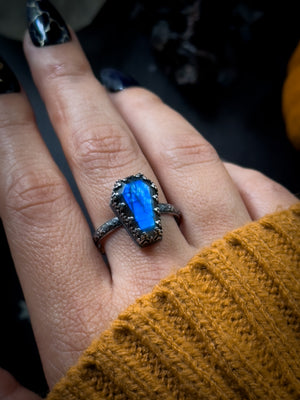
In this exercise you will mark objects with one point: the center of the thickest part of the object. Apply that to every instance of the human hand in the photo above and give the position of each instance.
(71, 294)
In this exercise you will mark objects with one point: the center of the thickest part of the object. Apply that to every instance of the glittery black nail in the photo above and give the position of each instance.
(115, 81)
(8, 81)
(45, 24)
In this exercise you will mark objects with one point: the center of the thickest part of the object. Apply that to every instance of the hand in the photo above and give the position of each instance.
(72, 295)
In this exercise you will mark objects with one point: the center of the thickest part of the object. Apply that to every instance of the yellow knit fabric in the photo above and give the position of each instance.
(224, 327)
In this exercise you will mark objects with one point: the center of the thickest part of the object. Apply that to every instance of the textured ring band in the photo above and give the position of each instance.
(134, 200)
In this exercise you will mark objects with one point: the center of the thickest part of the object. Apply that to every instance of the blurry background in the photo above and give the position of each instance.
(219, 63)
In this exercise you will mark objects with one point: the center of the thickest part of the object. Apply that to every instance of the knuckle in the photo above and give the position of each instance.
(36, 193)
(255, 180)
(19, 115)
(54, 71)
(104, 148)
(185, 153)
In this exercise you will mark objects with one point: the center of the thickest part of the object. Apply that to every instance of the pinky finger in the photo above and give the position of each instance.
(260, 194)
(10, 389)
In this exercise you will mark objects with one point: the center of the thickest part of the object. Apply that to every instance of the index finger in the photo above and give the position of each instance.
(59, 268)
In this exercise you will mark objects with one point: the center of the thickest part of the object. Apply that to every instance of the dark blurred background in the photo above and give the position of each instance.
(221, 64)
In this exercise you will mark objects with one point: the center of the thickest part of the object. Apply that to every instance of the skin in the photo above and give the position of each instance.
(71, 294)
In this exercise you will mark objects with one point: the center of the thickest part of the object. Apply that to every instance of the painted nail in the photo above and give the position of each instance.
(8, 80)
(115, 81)
(45, 24)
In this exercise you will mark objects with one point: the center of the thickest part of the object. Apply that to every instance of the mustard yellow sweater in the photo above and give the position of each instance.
(226, 326)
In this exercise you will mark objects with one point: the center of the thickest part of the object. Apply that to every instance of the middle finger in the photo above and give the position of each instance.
(100, 149)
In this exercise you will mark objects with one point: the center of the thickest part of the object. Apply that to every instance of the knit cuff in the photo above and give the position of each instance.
(224, 327)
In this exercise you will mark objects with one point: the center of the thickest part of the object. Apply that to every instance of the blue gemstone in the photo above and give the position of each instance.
(137, 196)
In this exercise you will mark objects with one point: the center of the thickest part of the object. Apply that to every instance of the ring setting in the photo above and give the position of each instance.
(134, 201)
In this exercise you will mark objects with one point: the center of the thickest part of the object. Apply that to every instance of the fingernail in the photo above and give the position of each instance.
(115, 81)
(45, 24)
(8, 80)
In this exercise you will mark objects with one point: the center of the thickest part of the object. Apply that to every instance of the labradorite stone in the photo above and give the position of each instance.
(137, 196)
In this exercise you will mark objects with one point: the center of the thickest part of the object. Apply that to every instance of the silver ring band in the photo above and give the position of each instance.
(108, 227)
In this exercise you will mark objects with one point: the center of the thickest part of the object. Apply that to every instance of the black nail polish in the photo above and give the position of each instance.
(8, 80)
(115, 81)
(45, 24)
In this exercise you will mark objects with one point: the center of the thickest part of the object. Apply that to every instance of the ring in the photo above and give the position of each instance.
(134, 201)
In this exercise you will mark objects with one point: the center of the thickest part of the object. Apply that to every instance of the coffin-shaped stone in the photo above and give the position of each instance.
(134, 200)
(137, 196)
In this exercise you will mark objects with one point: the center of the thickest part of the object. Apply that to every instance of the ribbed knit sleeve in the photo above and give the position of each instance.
(226, 326)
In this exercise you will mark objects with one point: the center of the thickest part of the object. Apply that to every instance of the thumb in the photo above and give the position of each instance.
(10, 389)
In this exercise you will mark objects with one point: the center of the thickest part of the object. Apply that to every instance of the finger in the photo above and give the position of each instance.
(261, 194)
(56, 262)
(100, 149)
(10, 389)
(187, 166)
